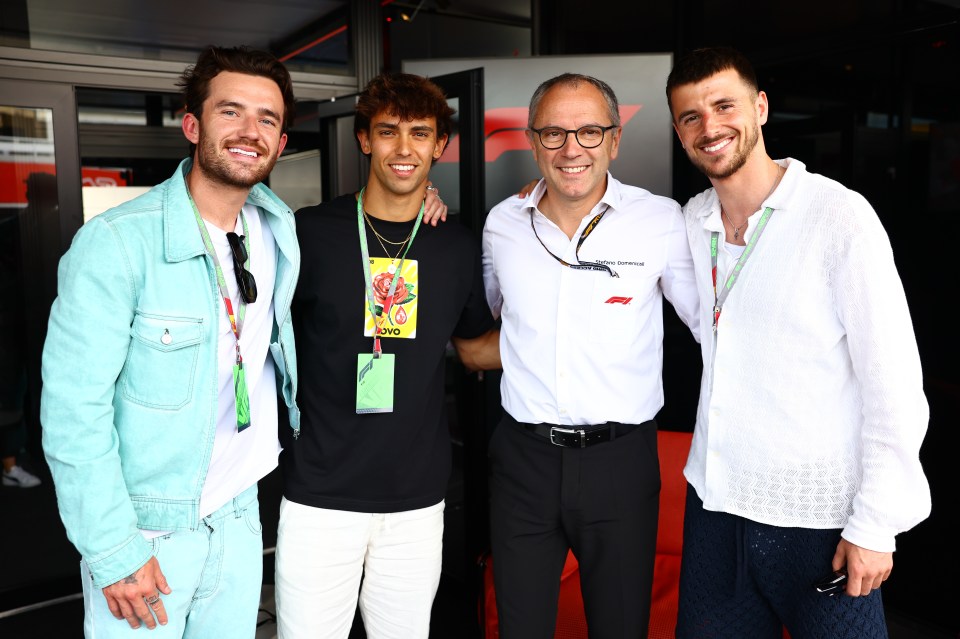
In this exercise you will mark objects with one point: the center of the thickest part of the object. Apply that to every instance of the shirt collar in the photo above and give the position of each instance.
(789, 183)
(182, 238)
(778, 200)
(611, 197)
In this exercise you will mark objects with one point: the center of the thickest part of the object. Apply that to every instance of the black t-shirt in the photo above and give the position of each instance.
(379, 462)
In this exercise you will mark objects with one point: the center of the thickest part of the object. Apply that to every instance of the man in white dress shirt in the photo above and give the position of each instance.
(805, 455)
(578, 271)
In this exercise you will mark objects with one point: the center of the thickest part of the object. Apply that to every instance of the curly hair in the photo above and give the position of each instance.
(406, 96)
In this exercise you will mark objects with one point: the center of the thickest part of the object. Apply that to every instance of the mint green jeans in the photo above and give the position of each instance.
(215, 573)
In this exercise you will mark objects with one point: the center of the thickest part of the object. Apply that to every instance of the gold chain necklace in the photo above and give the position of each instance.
(382, 239)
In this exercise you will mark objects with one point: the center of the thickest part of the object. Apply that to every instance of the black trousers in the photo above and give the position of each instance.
(602, 502)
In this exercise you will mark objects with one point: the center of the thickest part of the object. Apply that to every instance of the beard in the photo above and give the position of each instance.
(218, 168)
(740, 157)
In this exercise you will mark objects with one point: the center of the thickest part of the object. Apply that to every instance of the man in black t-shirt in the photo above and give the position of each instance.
(379, 297)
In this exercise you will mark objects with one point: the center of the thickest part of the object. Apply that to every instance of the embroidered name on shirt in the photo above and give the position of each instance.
(619, 263)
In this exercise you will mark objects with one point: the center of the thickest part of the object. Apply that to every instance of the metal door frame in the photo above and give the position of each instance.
(42, 255)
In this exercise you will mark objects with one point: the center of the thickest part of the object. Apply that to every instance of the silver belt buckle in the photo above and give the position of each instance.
(567, 431)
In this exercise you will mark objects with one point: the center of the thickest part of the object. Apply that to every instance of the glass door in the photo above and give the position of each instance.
(459, 173)
(473, 399)
(39, 213)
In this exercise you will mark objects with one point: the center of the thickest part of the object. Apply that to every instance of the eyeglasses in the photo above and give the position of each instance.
(248, 285)
(589, 136)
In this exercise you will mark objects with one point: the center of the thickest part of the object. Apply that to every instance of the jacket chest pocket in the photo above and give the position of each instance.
(162, 360)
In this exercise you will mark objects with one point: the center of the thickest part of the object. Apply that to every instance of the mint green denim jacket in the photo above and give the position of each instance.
(130, 375)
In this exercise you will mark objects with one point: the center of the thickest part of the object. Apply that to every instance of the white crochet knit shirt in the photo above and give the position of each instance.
(812, 409)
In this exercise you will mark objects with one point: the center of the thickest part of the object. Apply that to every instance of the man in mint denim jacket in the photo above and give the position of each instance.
(167, 345)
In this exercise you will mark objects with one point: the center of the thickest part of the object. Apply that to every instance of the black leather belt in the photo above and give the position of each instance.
(582, 436)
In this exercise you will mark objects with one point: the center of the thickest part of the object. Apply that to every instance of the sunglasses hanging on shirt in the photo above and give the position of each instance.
(248, 285)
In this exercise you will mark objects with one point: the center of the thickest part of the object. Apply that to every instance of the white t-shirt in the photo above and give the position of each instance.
(240, 459)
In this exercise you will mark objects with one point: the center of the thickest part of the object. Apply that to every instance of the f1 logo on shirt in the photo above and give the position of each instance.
(618, 300)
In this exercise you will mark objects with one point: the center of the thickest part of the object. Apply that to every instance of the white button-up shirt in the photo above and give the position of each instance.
(581, 347)
(811, 405)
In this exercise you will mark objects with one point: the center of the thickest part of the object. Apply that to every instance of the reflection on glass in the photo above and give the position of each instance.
(28, 197)
(129, 141)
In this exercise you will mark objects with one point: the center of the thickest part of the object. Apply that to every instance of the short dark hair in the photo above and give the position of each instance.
(407, 96)
(574, 80)
(194, 82)
(700, 64)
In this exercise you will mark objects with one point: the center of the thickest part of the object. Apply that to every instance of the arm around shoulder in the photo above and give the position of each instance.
(679, 281)
(480, 353)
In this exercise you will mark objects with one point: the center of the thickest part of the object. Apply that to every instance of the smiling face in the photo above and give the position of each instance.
(718, 122)
(401, 152)
(238, 134)
(574, 174)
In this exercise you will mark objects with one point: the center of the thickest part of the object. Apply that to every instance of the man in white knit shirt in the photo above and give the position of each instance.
(805, 455)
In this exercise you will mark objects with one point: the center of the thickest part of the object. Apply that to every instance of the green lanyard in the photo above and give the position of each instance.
(735, 273)
(368, 278)
(241, 394)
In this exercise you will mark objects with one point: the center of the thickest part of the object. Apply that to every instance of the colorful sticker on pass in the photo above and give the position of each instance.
(401, 319)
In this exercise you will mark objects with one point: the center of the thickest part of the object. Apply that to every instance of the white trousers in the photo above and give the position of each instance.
(322, 555)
